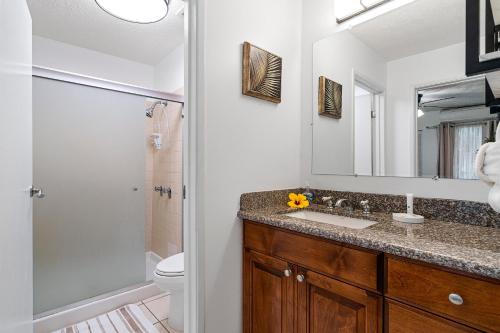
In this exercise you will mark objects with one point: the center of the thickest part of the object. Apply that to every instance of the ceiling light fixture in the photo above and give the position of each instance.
(136, 11)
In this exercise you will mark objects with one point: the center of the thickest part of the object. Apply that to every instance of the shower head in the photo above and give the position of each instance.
(150, 110)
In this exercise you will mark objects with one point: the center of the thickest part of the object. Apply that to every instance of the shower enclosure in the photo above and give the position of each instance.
(94, 159)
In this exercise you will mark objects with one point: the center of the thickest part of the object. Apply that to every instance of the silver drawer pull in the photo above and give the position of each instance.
(287, 272)
(300, 278)
(456, 299)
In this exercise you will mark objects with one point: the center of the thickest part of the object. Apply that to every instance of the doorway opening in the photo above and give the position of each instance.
(368, 129)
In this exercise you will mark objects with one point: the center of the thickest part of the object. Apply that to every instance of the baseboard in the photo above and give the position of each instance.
(94, 308)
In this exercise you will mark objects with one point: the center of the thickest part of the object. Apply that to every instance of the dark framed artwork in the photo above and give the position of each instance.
(261, 73)
(472, 32)
(329, 98)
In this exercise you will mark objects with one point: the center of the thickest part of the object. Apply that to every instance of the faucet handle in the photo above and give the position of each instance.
(366, 207)
(328, 200)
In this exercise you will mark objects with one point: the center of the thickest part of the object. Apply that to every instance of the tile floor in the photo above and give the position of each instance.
(156, 310)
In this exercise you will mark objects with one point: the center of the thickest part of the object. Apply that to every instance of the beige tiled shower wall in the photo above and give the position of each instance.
(164, 168)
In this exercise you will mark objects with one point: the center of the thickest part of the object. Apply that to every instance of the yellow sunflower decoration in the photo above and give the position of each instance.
(297, 200)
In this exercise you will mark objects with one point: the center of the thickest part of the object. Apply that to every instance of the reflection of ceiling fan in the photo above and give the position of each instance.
(424, 104)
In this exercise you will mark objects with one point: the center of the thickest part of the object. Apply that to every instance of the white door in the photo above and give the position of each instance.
(16, 264)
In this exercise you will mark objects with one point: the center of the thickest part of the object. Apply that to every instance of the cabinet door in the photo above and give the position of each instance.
(268, 294)
(405, 319)
(326, 305)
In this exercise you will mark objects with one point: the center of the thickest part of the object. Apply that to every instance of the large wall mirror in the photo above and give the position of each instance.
(397, 101)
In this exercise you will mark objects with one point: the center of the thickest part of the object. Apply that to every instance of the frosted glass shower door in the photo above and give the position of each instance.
(89, 157)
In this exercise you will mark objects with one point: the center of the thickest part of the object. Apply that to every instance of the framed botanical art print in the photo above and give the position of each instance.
(329, 98)
(261, 73)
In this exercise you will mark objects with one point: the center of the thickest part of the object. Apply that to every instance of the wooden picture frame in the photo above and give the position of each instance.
(262, 72)
(329, 98)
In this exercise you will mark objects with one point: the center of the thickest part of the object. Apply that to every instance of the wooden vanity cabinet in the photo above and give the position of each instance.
(401, 318)
(296, 283)
(469, 300)
(280, 297)
(326, 305)
(269, 294)
(285, 296)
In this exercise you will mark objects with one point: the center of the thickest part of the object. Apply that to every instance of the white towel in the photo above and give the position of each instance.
(488, 169)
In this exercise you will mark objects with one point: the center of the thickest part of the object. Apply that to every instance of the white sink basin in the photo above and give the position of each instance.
(341, 221)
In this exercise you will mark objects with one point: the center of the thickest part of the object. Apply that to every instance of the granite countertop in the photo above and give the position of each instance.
(469, 248)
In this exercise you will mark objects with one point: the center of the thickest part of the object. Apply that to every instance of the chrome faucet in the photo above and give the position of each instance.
(365, 206)
(344, 203)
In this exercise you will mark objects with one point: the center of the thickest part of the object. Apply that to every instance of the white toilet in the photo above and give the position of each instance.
(169, 276)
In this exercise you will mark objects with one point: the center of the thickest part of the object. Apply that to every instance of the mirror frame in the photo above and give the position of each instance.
(472, 31)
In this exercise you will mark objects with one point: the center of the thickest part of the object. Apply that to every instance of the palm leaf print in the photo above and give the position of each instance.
(264, 74)
(330, 98)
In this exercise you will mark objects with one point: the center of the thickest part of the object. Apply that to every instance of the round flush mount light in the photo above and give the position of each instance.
(136, 11)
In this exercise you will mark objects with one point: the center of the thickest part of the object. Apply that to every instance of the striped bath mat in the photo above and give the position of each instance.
(127, 319)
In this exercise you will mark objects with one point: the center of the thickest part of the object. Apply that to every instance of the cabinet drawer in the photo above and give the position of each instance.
(405, 319)
(323, 256)
(430, 288)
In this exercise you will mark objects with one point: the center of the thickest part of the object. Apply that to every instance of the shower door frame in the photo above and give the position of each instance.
(89, 81)
(53, 318)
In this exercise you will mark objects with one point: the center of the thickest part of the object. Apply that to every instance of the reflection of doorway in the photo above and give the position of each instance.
(368, 130)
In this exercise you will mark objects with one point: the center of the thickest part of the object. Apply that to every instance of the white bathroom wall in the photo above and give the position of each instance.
(248, 144)
(169, 73)
(70, 58)
(317, 22)
(403, 76)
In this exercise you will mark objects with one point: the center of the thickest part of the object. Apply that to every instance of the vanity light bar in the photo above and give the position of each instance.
(366, 7)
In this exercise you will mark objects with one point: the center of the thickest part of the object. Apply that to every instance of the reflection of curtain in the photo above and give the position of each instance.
(490, 131)
(468, 139)
(445, 160)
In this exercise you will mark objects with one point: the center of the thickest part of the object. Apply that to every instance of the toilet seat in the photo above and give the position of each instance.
(172, 266)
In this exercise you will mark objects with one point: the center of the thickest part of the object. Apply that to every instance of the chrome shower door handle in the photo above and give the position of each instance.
(37, 192)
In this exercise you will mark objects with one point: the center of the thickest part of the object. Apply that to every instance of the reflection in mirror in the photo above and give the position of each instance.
(489, 29)
(453, 123)
(403, 83)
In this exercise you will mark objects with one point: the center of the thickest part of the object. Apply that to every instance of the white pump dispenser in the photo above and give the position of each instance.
(408, 217)
(409, 203)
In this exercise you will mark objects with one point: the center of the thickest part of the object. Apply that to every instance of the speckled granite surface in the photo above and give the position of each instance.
(470, 248)
(466, 212)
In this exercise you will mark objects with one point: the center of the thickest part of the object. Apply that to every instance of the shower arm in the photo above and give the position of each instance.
(151, 109)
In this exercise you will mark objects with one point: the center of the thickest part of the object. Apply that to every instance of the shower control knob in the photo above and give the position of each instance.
(36, 192)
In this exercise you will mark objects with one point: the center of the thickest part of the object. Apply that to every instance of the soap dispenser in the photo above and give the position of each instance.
(309, 194)
(408, 217)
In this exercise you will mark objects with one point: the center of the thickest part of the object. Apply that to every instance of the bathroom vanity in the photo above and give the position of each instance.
(304, 276)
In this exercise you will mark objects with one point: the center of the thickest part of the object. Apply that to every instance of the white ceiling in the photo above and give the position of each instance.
(420, 26)
(83, 23)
